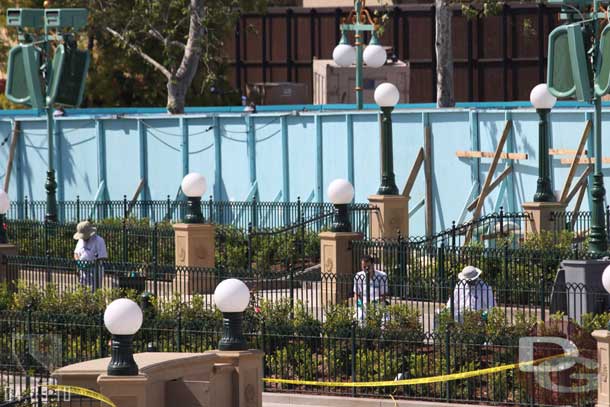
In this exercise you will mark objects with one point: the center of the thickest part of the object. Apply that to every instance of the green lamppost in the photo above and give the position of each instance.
(387, 96)
(193, 186)
(579, 67)
(359, 20)
(341, 193)
(37, 80)
(543, 101)
(123, 319)
(232, 297)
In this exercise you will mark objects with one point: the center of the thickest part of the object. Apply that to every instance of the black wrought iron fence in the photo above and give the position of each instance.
(497, 228)
(336, 350)
(53, 284)
(575, 227)
(125, 242)
(259, 214)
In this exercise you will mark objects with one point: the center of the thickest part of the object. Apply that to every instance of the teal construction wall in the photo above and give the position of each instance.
(279, 154)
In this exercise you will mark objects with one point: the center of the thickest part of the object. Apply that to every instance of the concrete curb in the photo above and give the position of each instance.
(302, 400)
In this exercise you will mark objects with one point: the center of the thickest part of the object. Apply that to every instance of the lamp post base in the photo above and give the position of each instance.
(232, 335)
(122, 362)
(193, 211)
(598, 241)
(341, 222)
(51, 187)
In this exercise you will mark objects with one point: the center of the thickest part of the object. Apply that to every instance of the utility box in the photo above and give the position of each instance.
(277, 93)
(334, 84)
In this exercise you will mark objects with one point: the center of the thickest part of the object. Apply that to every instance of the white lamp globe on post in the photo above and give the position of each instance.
(123, 319)
(341, 192)
(5, 204)
(374, 54)
(232, 297)
(194, 186)
(543, 101)
(344, 54)
(606, 284)
(387, 97)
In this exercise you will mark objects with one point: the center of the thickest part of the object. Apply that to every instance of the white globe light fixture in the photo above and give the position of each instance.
(5, 204)
(374, 54)
(541, 98)
(341, 192)
(543, 101)
(194, 186)
(123, 319)
(387, 97)
(606, 279)
(232, 297)
(344, 54)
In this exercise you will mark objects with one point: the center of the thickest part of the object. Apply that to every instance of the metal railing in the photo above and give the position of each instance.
(575, 226)
(235, 213)
(337, 350)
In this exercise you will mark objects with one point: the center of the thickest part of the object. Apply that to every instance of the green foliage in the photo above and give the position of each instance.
(339, 320)
(294, 360)
(591, 322)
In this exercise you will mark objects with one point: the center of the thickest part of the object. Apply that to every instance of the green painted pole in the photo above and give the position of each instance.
(388, 180)
(359, 60)
(598, 242)
(544, 192)
(51, 184)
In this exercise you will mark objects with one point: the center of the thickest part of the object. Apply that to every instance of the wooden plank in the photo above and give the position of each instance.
(488, 154)
(428, 176)
(574, 162)
(490, 176)
(492, 186)
(585, 161)
(582, 181)
(134, 199)
(562, 151)
(11, 154)
(578, 203)
(406, 192)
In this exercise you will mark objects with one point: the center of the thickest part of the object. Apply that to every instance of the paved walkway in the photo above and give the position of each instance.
(306, 400)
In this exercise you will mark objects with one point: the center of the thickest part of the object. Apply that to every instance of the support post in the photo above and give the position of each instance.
(337, 266)
(195, 248)
(544, 191)
(598, 241)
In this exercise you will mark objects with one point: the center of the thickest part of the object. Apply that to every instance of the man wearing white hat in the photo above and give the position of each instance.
(90, 248)
(470, 294)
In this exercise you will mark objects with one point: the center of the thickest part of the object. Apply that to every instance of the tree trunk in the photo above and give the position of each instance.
(176, 95)
(179, 83)
(444, 55)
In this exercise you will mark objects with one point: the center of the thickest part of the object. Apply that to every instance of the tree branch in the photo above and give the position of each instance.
(141, 53)
(166, 42)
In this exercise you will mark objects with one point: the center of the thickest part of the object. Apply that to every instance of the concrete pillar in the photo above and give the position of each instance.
(214, 378)
(248, 380)
(337, 266)
(195, 247)
(540, 215)
(603, 361)
(393, 215)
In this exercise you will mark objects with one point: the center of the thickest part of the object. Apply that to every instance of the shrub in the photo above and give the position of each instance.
(295, 361)
(339, 320)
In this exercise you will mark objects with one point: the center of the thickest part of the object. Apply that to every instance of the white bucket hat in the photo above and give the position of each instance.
(84, 230)
(469, 273)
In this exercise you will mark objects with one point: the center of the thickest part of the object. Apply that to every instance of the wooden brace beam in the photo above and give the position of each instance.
(406, 192)
(582, 181)
(490, 175)
(492, 186)
(487, 154)
(134, 199)
(585, 161)
(575, 160)
(11, 154)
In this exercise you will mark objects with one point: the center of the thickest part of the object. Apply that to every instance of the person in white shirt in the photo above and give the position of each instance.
(370, 286)
(89, 249)
(470, 293)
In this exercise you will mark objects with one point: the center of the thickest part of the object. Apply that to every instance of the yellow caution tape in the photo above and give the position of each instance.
(421, 380)
(82, 392)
